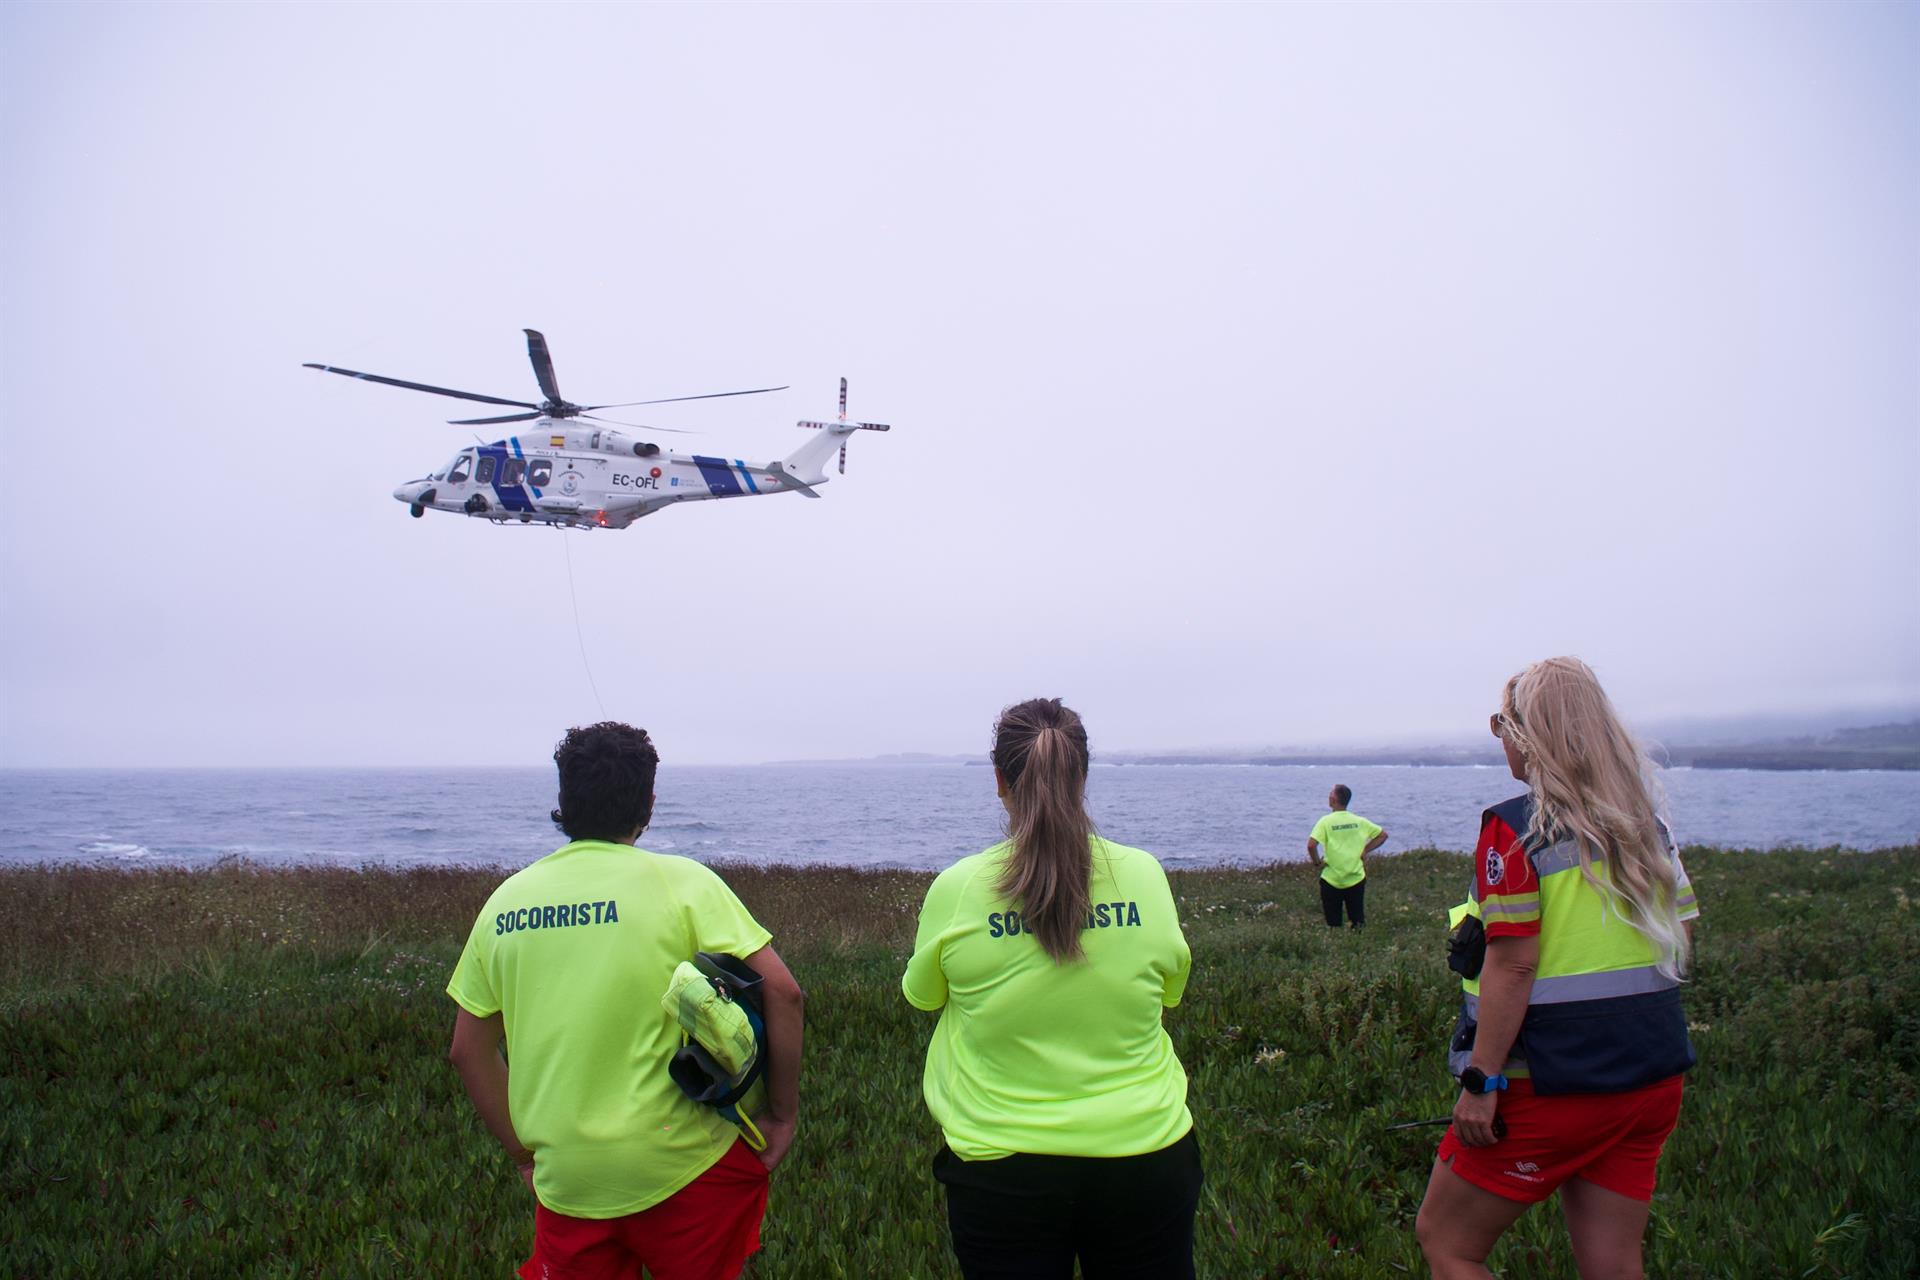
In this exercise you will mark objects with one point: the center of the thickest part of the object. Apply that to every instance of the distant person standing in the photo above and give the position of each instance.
(1338, 849)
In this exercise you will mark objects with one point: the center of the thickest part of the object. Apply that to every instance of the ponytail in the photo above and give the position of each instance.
(1040, 753)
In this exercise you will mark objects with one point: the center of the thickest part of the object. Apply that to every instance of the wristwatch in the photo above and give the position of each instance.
(1476, 1081)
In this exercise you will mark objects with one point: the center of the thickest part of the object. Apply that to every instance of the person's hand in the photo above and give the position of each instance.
(1473, 1118)
(524, 1163)
(779, 1136)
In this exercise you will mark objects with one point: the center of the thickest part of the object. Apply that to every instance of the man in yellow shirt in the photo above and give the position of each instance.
(564, 969)
(1347, 839)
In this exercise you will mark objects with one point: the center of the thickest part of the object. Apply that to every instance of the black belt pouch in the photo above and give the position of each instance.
(1606, 1046)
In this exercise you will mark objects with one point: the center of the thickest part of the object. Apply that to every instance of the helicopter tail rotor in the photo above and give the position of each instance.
(842, 429)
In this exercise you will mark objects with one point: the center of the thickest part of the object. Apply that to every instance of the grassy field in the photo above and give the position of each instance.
(242, 1073)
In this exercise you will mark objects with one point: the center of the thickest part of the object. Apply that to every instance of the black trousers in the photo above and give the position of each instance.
(1354, 897)
(1026, 1217)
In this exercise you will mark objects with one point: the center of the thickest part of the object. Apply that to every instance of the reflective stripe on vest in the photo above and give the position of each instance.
(1588, 986)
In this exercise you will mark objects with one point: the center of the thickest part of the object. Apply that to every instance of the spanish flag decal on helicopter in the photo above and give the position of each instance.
(556, 442)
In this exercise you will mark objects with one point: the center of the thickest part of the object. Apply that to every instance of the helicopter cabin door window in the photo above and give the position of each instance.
(540, 472)
(512, 472)
(485, 474)
(462, 468)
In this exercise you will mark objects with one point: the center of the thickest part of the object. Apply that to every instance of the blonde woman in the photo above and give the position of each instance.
(1572, 1044)
(1050, 957)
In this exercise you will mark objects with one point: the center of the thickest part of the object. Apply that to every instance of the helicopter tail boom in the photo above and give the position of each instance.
(808, 463)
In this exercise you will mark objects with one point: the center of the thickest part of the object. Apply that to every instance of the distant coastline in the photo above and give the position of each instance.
(1886, 746)
(1769, 758)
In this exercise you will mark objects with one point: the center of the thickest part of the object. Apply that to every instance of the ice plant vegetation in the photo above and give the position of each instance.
(242, 1072)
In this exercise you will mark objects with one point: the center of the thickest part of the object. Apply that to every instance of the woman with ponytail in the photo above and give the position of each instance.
(1049, 958)
(1571, 1044)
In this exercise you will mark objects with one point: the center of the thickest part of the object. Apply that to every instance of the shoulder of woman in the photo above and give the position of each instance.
(1126, 856)
(1515, 814)
(959, 874)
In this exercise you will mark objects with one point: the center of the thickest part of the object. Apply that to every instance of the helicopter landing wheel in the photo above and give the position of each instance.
(416, 511)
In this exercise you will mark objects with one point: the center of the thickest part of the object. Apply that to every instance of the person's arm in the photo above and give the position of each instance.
(1174, 985)
(1313, 852)
(1686, 903)
(475, 1053)
(924, 984)
(1506, 982)
(1375, 843)
(783, 1004)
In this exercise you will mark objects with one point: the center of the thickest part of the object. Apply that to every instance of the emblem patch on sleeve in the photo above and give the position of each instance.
(1496, 867)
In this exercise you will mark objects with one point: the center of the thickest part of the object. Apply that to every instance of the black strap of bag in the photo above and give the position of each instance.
(692, 1068)
(1467, 947)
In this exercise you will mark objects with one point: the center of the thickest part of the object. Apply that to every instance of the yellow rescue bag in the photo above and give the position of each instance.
(716, 1001)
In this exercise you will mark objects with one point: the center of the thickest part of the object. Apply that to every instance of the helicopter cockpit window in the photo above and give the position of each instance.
(513, 471)
(461, 469)
(485, 474)
(540, 472)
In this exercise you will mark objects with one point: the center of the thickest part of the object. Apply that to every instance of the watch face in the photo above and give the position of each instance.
(1473, 1080)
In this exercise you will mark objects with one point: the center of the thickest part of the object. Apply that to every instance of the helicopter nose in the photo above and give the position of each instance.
(410, 492)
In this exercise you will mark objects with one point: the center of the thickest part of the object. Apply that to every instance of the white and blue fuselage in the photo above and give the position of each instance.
(571, 474)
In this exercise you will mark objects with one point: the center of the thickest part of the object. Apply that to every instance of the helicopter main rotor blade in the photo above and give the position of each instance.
(636, 426)
(715, 395)
(543, 365)
(487, 422)
(417, 386)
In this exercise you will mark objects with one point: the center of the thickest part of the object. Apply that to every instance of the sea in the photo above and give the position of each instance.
(909, 815)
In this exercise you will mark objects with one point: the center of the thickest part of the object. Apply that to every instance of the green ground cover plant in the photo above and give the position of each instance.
(241, 1072)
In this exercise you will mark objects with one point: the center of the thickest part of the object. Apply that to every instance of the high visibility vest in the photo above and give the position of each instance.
(1601, 1016)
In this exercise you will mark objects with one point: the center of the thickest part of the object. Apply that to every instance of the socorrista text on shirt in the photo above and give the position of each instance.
(565, 915)
(1104, 915)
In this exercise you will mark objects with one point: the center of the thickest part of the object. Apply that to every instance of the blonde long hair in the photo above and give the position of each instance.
(1593, 784)
(1040, 753)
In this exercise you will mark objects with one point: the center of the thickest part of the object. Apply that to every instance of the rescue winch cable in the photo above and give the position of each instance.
(579, 632)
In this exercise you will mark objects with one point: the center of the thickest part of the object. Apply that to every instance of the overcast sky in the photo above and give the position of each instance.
(1259, 374)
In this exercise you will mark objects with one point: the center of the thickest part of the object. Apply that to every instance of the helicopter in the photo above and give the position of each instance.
(573, 470)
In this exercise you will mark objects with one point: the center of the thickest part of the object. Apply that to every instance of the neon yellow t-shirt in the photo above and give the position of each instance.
(1052, 1059)
(576, 951)
(1342, 837)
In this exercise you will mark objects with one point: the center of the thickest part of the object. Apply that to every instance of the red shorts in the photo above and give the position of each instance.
(704, 1231)
(1613, 1140)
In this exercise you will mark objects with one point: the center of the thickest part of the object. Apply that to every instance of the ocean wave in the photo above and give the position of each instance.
(876, 817)
(113, 849)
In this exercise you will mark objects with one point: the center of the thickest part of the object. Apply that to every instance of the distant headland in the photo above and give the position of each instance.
(1883, 746)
